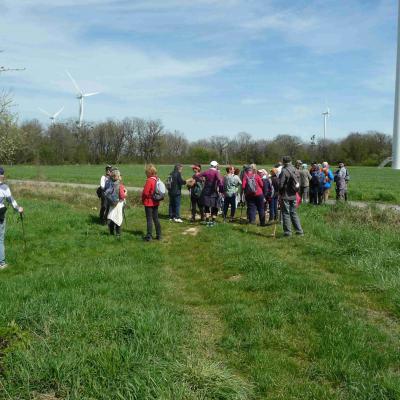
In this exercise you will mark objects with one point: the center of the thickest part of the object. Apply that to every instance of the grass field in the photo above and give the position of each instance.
(230, 313)
(367, 183)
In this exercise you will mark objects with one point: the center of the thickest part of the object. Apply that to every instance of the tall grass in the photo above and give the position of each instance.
(230, 313)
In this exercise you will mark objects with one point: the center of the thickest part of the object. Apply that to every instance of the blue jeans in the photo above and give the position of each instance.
(273, 209)
(232, 202)
(2, 233)
(175, 206)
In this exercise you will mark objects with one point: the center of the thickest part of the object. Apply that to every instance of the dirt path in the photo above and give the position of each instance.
(360, 204)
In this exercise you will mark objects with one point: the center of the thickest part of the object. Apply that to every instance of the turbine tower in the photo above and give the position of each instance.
(52, 117)
(80, 96)
(326, 115)
(396, 124)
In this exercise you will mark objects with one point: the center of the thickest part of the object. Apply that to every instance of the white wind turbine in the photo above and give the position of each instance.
(326, 114)
(80, 96)
(52, 117)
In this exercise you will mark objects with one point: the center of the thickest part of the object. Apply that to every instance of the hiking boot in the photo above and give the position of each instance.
(3, 266)
(300, 233)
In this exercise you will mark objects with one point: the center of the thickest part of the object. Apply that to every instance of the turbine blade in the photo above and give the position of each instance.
(74, 82)
(44, 112)
(58, 112)
(90, 94)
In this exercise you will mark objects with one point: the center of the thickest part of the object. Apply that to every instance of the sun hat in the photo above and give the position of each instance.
(214, 164)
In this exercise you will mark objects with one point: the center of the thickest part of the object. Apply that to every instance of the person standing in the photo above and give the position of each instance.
(288, 187)
(341, 183)
(175, 192)
(196, 190)
(252, 186)
(305, 178)
(273, 203)
(151, 205)
(316, 184)
(328, 179)
(105, 182)
(5, 196)
(115, 195)
(232, 183)
(213, 185)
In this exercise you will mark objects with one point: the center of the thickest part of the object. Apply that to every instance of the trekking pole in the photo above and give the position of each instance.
(23, 229)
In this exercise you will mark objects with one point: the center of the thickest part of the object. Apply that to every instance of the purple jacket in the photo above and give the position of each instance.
(213, 182)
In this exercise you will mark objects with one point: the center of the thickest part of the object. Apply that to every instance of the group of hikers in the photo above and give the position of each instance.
(262, 192)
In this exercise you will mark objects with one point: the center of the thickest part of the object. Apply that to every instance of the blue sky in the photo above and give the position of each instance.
(207, 67)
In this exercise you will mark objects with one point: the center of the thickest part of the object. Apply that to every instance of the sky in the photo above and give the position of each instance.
(206, 67)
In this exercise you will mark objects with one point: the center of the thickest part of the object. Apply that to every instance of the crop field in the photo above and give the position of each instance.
(367, 183)
(225, 313)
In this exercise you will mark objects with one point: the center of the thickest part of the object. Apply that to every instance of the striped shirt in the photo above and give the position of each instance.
(5, 194)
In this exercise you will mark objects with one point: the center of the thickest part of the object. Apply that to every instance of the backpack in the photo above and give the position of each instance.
(293, 183)
(99, 192)
(159, 191)
(197, 190)
(112, 195)
(168, 182)
(251, 185)
(315, 178)
(347, 177)
(269, 190)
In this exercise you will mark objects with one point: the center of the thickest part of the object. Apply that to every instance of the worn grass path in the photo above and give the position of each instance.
(209, 313)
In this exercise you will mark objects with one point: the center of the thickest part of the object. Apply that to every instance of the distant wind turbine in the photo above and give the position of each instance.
(80, 96)
(326, 114)
(52, 116)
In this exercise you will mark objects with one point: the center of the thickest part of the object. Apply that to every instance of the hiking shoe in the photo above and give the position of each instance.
(148, 238)
(178, 220)
(300, 233)
(3, 266)
(158, 237)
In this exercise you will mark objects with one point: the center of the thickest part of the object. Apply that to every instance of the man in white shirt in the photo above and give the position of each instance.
(5, 195)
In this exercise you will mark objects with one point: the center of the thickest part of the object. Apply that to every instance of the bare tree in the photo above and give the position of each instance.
(149, 138)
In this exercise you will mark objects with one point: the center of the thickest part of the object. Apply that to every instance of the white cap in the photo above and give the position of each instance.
(214, 164)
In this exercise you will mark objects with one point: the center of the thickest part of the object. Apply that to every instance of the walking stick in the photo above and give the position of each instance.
(23, 229)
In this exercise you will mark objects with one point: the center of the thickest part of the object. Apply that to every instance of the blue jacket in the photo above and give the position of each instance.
(328, 179)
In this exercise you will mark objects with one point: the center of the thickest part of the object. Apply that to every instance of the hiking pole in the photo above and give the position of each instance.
(23, 229)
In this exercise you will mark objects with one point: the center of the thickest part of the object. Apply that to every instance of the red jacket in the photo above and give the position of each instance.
(148, 191)
(259, 183)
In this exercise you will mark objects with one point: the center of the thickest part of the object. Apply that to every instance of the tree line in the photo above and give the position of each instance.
(134, 140)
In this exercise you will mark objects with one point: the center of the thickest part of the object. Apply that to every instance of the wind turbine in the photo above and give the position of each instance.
(326, 114)
(80, 96)
(52, 117)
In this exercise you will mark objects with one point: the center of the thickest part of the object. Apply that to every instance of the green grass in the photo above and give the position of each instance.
(367, 183)
(231, 313)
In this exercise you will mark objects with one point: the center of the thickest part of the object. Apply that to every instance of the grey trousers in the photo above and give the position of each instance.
(289, 217)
